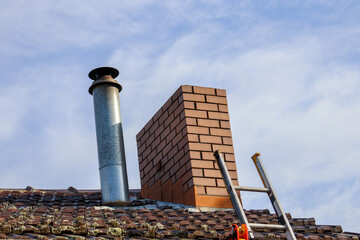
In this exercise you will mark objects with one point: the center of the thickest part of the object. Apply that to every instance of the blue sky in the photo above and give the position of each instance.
(291, 70)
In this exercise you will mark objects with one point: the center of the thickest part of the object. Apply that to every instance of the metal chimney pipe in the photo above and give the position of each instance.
(110, 141)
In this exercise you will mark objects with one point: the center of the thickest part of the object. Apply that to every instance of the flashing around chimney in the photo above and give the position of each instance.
(110, 141)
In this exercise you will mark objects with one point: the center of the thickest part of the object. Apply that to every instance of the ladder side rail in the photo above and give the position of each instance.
(232, 192)
(273, 197)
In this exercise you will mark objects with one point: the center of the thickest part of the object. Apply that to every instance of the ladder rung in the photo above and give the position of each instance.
(267, 226)
(252, 189)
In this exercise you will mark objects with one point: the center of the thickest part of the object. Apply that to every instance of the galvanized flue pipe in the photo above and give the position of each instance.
(110, 141)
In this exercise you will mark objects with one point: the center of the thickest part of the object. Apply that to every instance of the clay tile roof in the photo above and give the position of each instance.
(78, 214)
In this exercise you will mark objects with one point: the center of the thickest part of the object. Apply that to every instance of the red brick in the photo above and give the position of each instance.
(138, 144)
(185, 160)
(231, 166)
(165, 177)
(181, 172)
(204, 181)
(174, 123)
(182, 142)
(220, 132)
(229, 157)
(139, 135)
(176, 139)
(146, 152)
(142, 174)
(227, 140)
(221, 92)
(198, 130)
(179, 110)
(195, 113)
(159, 130)
(194, 155)
(152, 155)
(163, 117)
(210, 139)
(207, 106)
(157, 159)
(157, 114)
(167, 105)
(164, 134)
(204, 90)
(223, 148)
(176, 94)
(202, 164)
(167, 164)
(223, 108)
(186, 88)
(173, 106)
(182, 115)
(189, 105)
(180, 127)
(173, 181)
(170, 118)
(144, 137)
(224, 124)
(174, 169)
(233, 175)
(193, 97)
(172, 152)
(148, 167)
(171, 136)
(216, 191)
(190, 121)
(220, 182)
(197, 172)
(154, 144)
(200, 190)
(212, 173)
(140, 159)
(150, 139)
(208, 123)
(148, 125)
(161, 146)
(141, 149)
(191, 183)
(218, 115)
(145, 180)
(200, 146)
(142, 165)
(153, 172)
(179, 155)
(213, 99)
(186, 147)
(166, 149)
(193, 137)
(154, 127)
(208, 156)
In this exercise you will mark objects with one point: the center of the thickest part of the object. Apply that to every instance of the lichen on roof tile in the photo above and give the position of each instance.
(54, 214)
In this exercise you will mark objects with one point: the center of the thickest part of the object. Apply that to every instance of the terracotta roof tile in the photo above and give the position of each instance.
(79, 214)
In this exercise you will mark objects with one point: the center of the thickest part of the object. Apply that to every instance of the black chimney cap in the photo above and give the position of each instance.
(102, 71)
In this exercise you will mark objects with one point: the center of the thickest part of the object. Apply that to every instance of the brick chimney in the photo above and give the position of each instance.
(175, 149)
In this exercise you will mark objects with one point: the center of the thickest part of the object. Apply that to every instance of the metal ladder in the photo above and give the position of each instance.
(285, 225)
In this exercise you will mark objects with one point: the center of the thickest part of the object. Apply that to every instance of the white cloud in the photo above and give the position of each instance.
(290, 70)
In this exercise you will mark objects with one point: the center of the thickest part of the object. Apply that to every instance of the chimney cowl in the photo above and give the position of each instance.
(104, 75)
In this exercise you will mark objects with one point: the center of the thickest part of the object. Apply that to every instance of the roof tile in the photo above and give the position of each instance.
(44, 215)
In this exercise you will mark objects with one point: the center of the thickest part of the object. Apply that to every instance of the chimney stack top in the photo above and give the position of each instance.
(98, 76)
